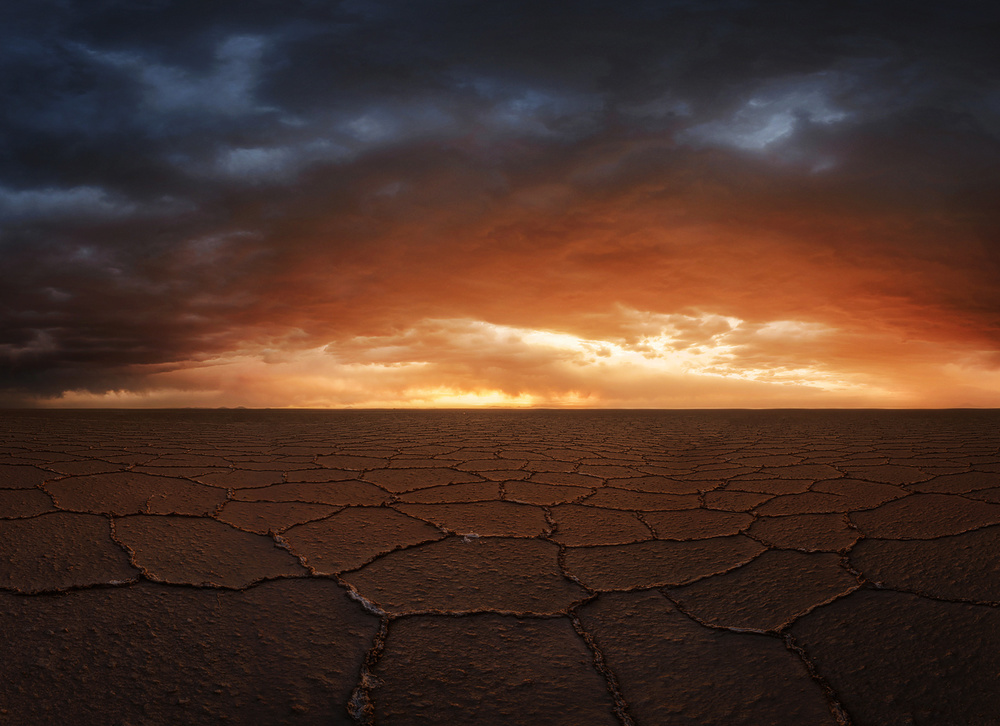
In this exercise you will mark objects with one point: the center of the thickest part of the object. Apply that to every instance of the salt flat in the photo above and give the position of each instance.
(499, 567)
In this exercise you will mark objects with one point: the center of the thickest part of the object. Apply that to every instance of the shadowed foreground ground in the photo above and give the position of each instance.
(521, 567)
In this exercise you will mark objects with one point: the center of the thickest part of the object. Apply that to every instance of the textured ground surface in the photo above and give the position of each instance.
(500, 567)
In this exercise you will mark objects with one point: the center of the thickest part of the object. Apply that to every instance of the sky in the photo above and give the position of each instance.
(432, 203)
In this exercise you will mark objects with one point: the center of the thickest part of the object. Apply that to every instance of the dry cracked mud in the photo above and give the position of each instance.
(499, 567)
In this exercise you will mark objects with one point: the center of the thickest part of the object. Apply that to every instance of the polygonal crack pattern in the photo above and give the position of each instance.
(58, 551)
(199, 551)
(489, 668)
(768, 593)
(470, 575)
(286, 651)
(392, 567)
(897, 658)
(673, 670)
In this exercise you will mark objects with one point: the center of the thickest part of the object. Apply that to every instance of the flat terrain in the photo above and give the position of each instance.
(500, 567)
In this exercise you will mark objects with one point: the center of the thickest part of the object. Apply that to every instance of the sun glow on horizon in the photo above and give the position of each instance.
(768, 220)
(646, 360)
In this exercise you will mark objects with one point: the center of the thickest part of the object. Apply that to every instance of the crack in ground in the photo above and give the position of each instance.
(840, 457)
(837, 708)
(872, 585)
(614, 688)
(361, 706)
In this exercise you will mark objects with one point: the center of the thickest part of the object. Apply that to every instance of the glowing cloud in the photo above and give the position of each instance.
(694, 204)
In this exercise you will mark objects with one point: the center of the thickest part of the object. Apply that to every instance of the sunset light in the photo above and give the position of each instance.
(225, 214)
(655, 361)
(597, 363)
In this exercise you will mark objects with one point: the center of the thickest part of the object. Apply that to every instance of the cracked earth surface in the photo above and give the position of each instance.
(499, 567)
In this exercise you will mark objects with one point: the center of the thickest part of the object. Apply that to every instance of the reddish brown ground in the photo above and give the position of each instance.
(503, 567)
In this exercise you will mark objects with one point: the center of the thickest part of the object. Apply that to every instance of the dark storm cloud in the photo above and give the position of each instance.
(170, 171)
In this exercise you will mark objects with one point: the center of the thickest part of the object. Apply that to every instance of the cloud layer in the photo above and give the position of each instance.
(727, 203)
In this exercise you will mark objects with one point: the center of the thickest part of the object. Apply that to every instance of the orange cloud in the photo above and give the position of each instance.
(676, 361)
(707, 286)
